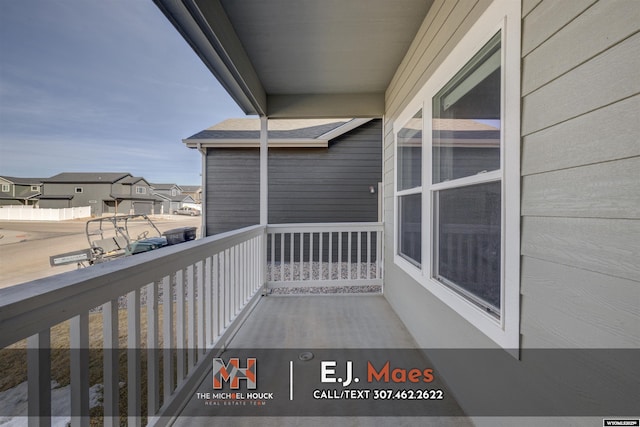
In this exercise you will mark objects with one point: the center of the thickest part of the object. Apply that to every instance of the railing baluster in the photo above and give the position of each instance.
(191, 321)
(330, 255)
(167, 326)
(291, 250)
(273, 257)
(200, 330)
(378, 251)
(215, 291)
(311, 256)
(359, 266)
(236, 280)
(134, 388)
(243, 272)
(180, 338)
(39, 379)
(368, 255)
(227, 287)
(233, 282)
(349, 233)
(282, 257)
(340, 258)
(111, 393)
(79, 337)
(208, 288)
(301, 261)
(320, 255)
(153, 367)
(222, 314)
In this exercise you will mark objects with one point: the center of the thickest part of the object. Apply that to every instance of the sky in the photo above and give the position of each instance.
(101, 86)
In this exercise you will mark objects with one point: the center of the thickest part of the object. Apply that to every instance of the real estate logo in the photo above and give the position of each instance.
(233, 373)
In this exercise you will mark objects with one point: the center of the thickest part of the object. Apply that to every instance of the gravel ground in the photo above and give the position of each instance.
(310, 271)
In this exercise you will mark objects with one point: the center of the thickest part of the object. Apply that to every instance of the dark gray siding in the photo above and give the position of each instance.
(233, 189)
(305, 185)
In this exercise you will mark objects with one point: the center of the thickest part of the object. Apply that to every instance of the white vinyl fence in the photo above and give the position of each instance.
(28, 213)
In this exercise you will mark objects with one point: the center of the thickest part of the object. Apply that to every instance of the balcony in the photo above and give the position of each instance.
(224, 290)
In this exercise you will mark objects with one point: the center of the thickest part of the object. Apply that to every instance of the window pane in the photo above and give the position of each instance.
(468, 241)
(410, 153)
(466, 118)
(410, 224)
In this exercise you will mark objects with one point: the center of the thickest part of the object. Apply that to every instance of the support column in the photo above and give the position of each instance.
(264, 152)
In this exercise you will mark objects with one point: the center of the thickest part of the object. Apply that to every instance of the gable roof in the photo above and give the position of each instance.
(87, 177)
(130, 180)
(245, 133)
(157, 186)
(23, 181)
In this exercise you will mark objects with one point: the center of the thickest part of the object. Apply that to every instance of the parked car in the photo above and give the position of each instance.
(187, 211)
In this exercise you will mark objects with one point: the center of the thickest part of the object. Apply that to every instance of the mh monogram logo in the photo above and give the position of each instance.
(233, 373)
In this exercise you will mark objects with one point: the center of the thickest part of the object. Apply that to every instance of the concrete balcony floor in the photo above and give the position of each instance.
(318, 322)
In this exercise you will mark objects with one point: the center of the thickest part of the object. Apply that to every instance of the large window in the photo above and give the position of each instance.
(458, 178)
(409, 166)
(466, 177)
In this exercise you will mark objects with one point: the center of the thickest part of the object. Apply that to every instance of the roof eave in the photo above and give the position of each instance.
(254, 143)
(219, 48)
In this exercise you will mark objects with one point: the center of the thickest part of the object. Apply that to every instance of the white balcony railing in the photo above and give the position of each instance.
(321, 255)
(208, 283)
(226, 269)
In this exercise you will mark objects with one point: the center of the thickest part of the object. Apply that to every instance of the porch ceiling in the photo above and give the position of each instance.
(294, 59)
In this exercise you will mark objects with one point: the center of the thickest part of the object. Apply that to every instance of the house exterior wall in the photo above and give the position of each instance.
(580, 201)
(92, 195)
(581, 174)
(17, 193)
(305, 185)
(233, 189)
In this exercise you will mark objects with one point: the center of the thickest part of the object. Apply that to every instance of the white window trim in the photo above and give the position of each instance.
(35, 188)
(141, 190)
(78, 190)
(6, 188)
(504, 16)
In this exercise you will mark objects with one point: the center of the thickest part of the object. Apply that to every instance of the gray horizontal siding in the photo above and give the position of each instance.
(580, 201)
(305, 185)
(232, 190)
(581, 174)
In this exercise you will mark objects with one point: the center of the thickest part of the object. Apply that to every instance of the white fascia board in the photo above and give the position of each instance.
(341, 130)
(254, 143)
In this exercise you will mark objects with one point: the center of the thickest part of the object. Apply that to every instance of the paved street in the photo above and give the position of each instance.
(25, 246)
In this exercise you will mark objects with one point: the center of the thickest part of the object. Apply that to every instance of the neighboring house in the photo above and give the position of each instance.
(550, 222)
(19, 191)
(171, 196)
(195, 191)
(106, 193)
(134, 194)
(319, 171)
